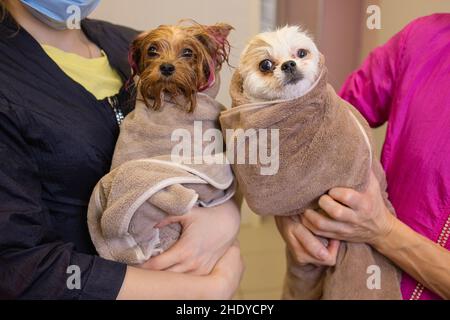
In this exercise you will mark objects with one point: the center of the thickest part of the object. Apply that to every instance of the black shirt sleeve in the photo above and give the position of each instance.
(33, 260)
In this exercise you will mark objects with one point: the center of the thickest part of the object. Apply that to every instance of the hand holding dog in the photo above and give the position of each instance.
(304, 246)
(207, 234)
(352, 216)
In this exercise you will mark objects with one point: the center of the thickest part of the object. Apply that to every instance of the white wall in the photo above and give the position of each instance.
(396, 14)
(243, 15)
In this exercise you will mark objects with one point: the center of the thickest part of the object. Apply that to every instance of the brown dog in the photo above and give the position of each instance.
(177, 66)
(178, 61)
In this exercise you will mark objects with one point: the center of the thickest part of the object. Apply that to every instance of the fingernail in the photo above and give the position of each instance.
(322, 254)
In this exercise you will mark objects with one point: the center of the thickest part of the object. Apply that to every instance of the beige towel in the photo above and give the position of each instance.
(146, 185)
(323, 143)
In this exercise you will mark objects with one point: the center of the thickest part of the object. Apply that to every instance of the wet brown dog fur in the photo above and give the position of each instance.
(195, 51)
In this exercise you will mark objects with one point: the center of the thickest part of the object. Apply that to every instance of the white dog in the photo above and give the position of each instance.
(323, 143)
(279, 65)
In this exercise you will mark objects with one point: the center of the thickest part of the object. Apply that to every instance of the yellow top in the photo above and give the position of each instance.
(96, 75)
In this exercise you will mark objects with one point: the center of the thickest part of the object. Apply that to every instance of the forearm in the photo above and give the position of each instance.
(426, 261)
(140, 284)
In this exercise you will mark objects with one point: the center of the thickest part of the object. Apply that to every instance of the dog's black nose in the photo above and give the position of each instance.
(167, 69)
(289, 66)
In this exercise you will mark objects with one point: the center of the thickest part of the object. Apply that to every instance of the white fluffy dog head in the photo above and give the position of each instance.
(282, 64)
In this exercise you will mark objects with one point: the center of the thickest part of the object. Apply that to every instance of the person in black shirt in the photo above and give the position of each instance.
(56, 142)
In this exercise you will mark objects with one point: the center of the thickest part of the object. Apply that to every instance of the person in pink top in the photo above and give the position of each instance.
(405, 83)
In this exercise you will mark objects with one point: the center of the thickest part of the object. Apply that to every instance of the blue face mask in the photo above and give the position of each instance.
(60, 14)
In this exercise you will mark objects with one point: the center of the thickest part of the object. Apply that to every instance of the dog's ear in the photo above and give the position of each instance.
(135, 55)
(219, 32)
(214, 39)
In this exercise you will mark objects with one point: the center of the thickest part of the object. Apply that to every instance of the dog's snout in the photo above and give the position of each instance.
(167, 69)
(289, 66)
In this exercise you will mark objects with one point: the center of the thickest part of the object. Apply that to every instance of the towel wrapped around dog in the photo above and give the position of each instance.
(323, 142)
(147, 183)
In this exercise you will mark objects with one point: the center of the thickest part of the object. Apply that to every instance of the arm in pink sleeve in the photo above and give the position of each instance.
(370, 88)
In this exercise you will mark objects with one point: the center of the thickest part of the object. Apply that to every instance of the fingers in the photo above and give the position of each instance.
(304, 247)
(348, 197)
(333, 247)
(323, 226)
(196, 266)
(285, 225)
(165, 260)
(354, 199)
(231, 262)
(231, 265)
(311, 243)
(293, 233)
(170, 220)
(172, 256)
(336, 210)
(182, 268)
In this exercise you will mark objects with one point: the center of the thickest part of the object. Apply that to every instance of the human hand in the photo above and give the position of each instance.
(207, 233)
(304, 246)
(352, 216)
(227, 273)
(221, 283)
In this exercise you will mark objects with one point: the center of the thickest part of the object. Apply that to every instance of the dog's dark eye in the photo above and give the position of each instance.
(153, 51)
(302, 53)
(187, 53)
(266, 65)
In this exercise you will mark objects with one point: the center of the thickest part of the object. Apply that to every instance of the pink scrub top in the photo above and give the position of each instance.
(406, 83)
